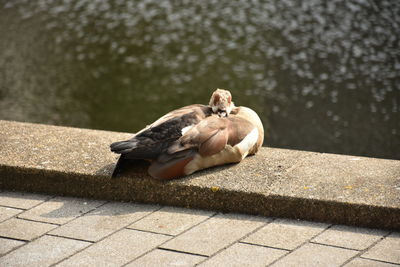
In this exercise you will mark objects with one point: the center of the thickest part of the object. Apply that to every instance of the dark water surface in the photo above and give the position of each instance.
(324, 75)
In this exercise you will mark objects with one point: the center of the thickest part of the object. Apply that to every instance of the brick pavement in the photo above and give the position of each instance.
(43, 230)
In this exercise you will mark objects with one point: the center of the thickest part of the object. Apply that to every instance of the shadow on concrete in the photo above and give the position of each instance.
(76, 207)
(126, 167)
(132, 167)
(106, 170)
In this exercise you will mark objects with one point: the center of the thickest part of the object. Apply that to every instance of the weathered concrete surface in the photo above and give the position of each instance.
(276, 182)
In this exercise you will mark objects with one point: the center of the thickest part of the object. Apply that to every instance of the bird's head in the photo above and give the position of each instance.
(221, 102)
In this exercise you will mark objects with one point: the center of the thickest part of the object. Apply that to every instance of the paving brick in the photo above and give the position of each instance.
(60, 210)
(7, 245)
(24, 230)
(117, 249)
(103, 221)
(387, 249)
(350, 237)
(44, 251)
(285, 234)
(359, 262)
(21, 200)
(215, 234)
(245, 255)
(161, 257)
(172, 221)
(6, 213)
(314, 255)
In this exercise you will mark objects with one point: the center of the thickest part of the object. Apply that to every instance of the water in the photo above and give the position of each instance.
(323, 75)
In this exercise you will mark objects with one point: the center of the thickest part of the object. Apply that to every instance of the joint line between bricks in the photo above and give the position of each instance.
(320, 233)
(61, 224)
(147, 231)
(71, 238)
(172, 237)
(183, 252)
(264, 246)
(104, 237)
(237, 241)
(13, 238)
(159, 207)
(31, 240)
(11, 207)
(16, 216)
(334, 246)
(394, 263)
(299, 246)
(359, 254)
(34, 206)
(37, 221)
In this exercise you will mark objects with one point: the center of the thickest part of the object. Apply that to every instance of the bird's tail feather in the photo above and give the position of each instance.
(123, 147)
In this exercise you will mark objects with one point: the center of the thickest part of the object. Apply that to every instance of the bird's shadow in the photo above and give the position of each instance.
(139, 168)
(126, 167)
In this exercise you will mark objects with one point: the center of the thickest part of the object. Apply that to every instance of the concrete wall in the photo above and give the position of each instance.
(275, 182)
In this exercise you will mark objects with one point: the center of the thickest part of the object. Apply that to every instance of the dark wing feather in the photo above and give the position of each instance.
(152, 141)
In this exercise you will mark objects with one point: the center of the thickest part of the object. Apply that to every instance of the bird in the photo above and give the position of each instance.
(195, 137)
(212, 142)
(150, 142)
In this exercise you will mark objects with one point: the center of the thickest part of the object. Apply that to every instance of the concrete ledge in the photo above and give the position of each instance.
(276, 182)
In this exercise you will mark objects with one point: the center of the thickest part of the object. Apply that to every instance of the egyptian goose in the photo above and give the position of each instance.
(195, 137)
(213, 141)
(153, 140)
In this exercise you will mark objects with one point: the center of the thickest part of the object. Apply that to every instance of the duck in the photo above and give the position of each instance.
(150, 142)
(195, 137)
(212, 142)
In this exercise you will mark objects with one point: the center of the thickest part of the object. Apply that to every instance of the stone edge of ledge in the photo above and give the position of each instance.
(151, 191)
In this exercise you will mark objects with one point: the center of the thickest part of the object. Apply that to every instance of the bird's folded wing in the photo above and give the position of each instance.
(195, 109)
(209, 136)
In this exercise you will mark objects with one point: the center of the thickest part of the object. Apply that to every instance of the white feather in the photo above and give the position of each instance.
(185, 129)
(248, 142)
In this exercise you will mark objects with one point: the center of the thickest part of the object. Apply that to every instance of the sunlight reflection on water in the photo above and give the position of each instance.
(324, 75)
